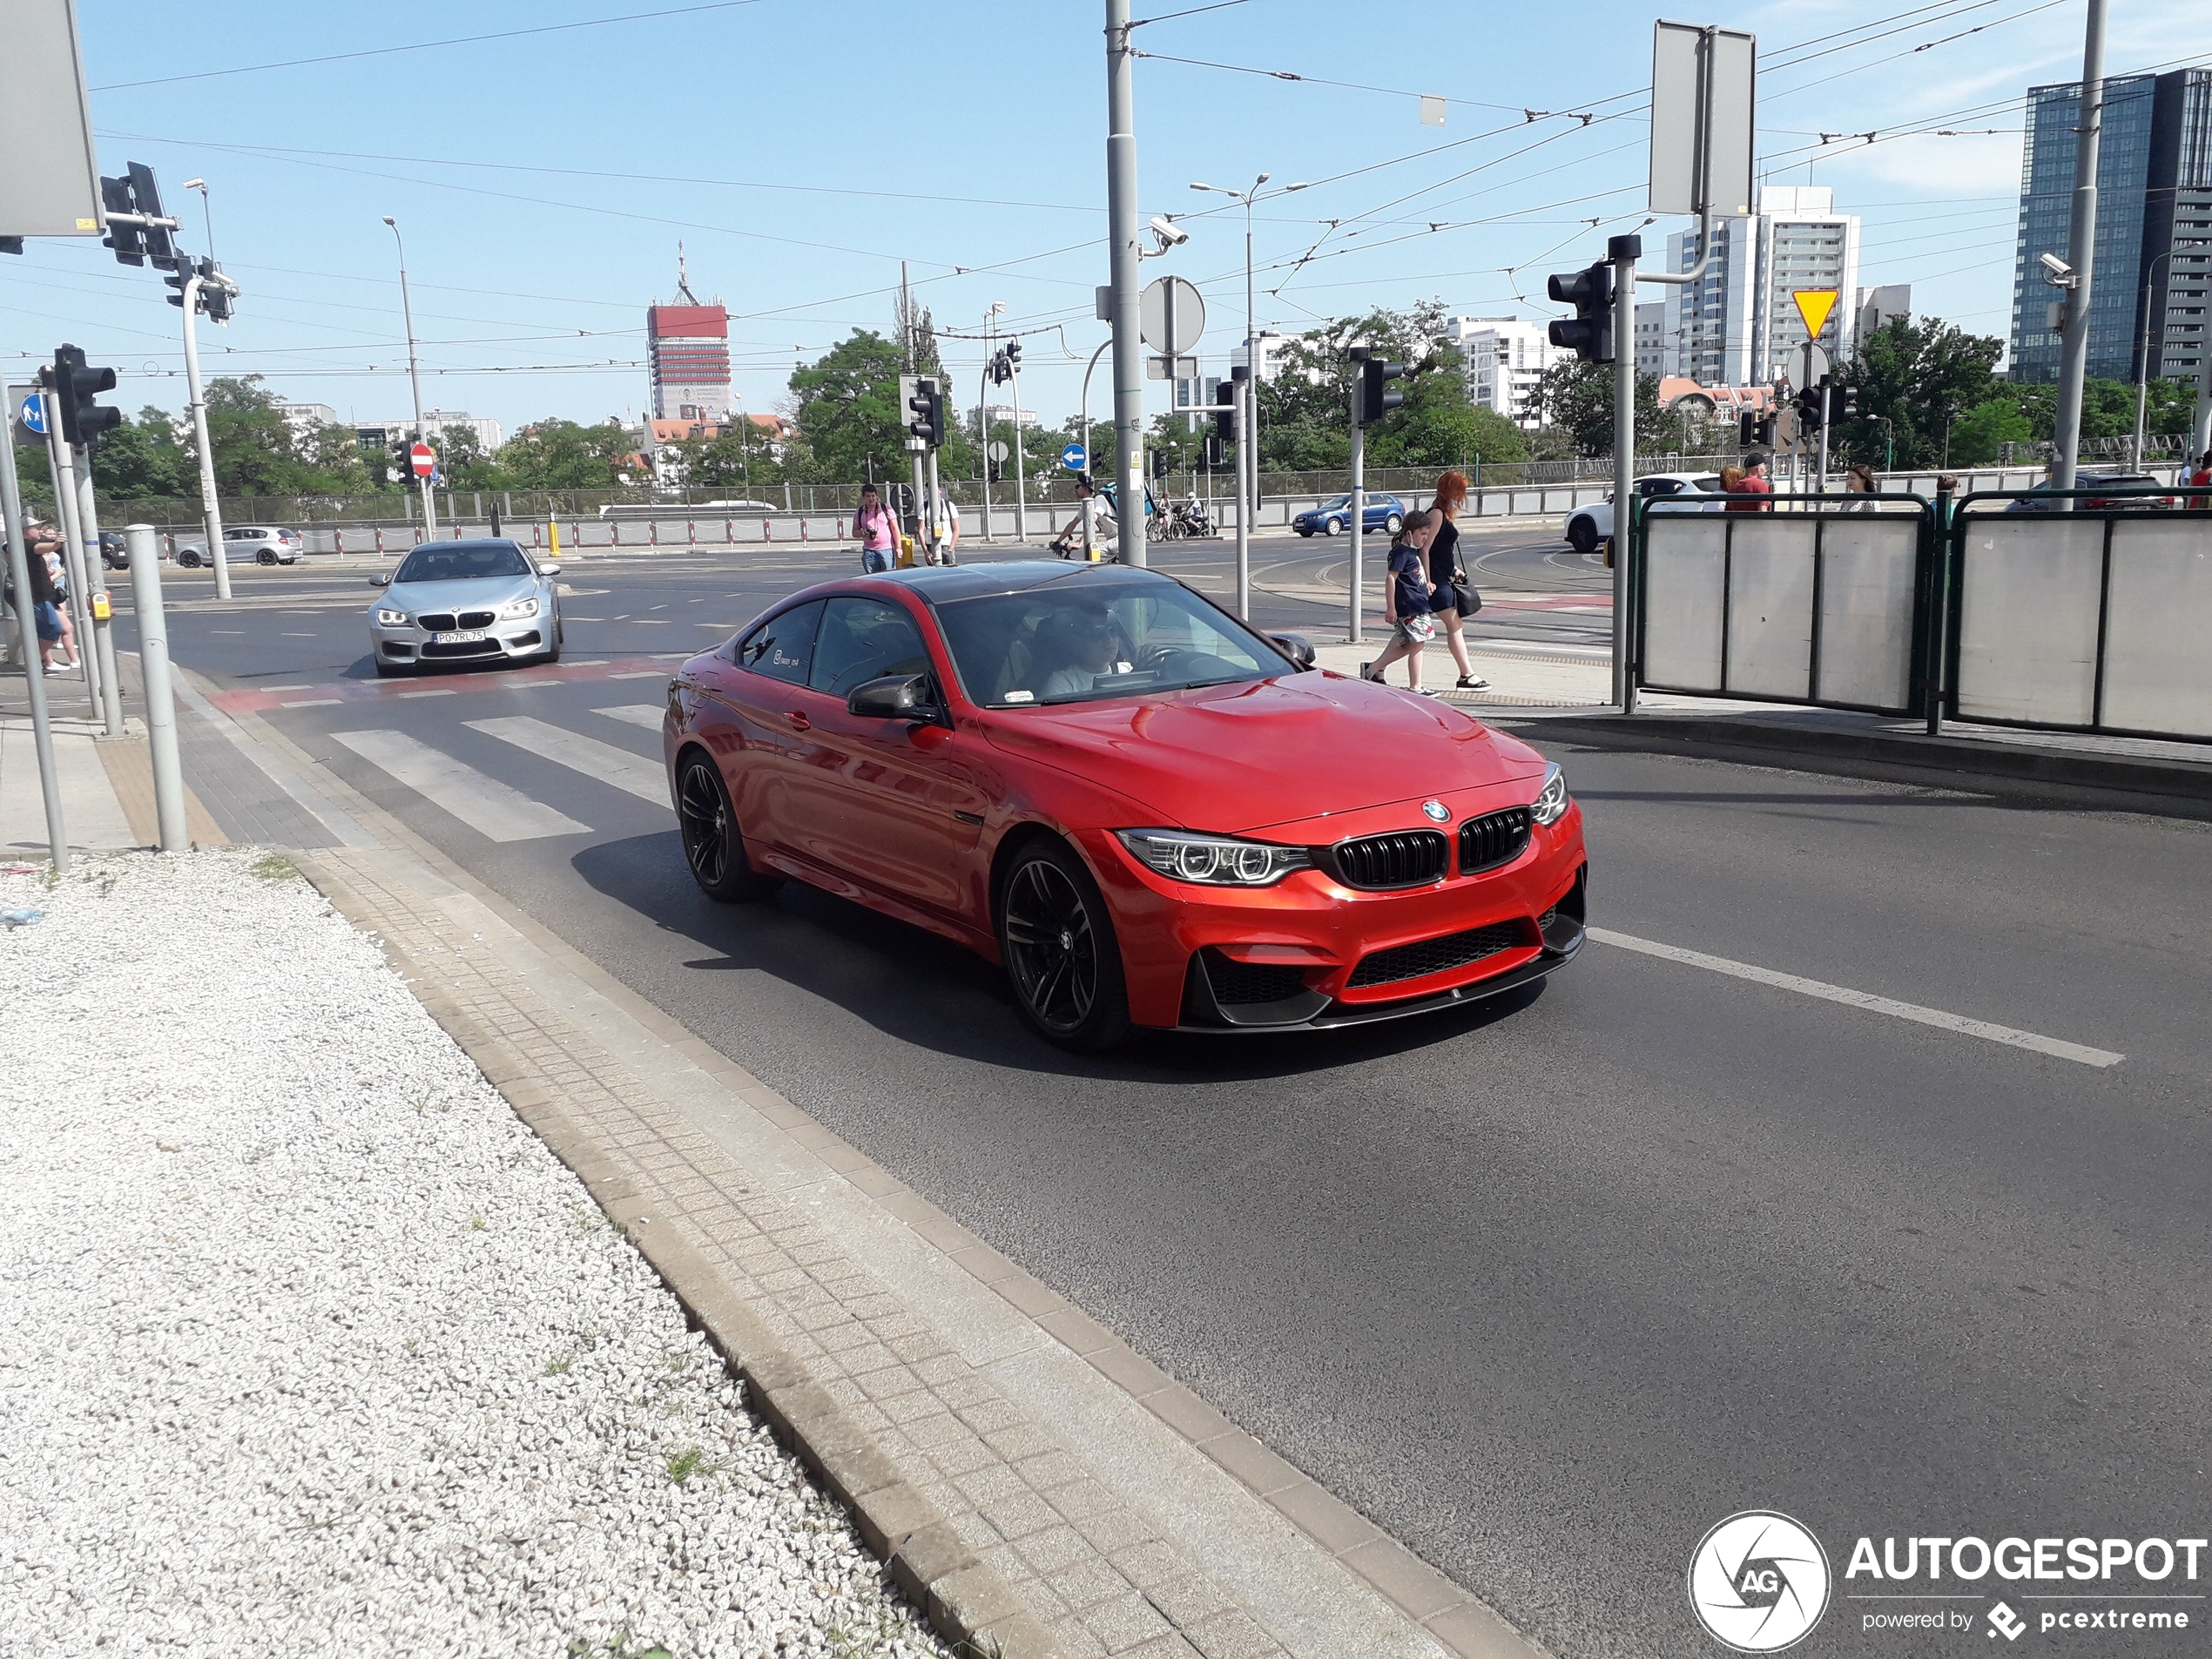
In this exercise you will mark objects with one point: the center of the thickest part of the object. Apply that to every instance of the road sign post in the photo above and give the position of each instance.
(42, 731)
(1121, 252)
(210, 511)
(145, 554)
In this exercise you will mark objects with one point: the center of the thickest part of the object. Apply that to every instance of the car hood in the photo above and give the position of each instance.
(474, 593)
(1235, 758)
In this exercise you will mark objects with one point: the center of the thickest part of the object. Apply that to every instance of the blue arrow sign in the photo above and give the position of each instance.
(1075, 457)
(34, 414)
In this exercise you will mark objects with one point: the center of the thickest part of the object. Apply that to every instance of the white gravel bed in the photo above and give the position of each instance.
(308, 1346)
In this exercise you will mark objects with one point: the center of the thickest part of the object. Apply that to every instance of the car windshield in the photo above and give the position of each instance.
(462, 561)
(1335, 501)
(1091, 638)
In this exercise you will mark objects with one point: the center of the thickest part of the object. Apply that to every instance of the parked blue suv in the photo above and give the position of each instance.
(1384, 513)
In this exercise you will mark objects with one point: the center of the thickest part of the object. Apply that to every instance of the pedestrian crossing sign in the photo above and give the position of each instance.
(1814, 304)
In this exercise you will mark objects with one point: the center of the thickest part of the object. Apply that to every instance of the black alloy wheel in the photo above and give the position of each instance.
(266, 556)
(1060, 950)
(712, 846)
(1582, 536)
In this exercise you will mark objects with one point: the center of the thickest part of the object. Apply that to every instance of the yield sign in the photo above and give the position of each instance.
(424, 461)
(1814, 304)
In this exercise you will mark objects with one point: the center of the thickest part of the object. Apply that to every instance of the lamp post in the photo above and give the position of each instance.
(2143, 360)
(415, 380)
(983, 408)
(1248, 457)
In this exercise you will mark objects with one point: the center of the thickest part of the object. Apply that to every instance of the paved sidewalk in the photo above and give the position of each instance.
(1520, 677)
(1028, 1477)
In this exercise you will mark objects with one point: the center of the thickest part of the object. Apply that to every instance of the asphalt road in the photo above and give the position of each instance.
(1546, 1288)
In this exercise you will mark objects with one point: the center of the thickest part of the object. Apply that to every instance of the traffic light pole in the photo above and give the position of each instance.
(1356, 518)
(64, 477)
(1243, 519)
(1020, 488)
(210, 511)
(1822, 487)
(103, 608)
(2081, 253)
(983, 433)
(41, 729)
(1623, 252)
(145, 554)
(937, 515)
(1123, 247)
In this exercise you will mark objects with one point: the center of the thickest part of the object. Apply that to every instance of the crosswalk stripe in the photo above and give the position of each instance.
(645, 778)
(493, 809)
(644, 714)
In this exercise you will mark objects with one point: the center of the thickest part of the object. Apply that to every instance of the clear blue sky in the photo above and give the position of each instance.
(801, 149)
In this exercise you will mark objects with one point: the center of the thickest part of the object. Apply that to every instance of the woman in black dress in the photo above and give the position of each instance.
(1444, 568)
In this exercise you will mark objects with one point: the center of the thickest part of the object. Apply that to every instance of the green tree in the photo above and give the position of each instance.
(142, 460)
(743, 456)
(1575, 399)
(556, 454)
(1978, 436)
(1921, 377)
(849, 409)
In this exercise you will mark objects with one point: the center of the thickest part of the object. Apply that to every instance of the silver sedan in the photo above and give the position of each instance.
(463, 602)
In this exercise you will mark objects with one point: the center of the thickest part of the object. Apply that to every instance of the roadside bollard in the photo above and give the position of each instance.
(729, 530)
(802, 529)
(538, 539)
(160, 695)
(652, 532)
(380, 538)
(617, 534)
(691, 533)
(767, 530)
(338, 543)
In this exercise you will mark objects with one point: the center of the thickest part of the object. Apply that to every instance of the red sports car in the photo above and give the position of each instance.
(1149, 814)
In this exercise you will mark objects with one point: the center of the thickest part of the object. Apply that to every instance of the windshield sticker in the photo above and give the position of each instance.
(1021, 697)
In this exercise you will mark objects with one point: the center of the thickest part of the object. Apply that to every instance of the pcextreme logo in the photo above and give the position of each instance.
(1759, 1581)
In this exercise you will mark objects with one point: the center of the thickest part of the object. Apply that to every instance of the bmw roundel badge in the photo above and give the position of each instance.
(1435, 810)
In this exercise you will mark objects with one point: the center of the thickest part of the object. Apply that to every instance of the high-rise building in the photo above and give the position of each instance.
(1651, 337)
(2153, 243)
(1879, 306)
(1738, 324)
(687, 346)
(1505, 356)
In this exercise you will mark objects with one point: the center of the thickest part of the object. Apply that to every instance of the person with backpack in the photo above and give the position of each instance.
(1406, 603)
(1454, 598)
(877, 527)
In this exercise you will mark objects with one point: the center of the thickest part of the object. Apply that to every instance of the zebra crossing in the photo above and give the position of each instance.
(496, 808)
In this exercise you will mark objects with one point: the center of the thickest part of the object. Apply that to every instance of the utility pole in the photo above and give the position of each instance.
(210, 511)
(2081, 254)
(1021, 485)
(2142, 368)
(1240, 379)
(414, 381)
(983, 410)
(1623, 251)
(1356, 515)
(1122, 232)
(160, 697)
(41, 729)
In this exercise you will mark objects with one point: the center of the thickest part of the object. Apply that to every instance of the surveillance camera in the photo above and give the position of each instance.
(1169, 232)
(2057, 272)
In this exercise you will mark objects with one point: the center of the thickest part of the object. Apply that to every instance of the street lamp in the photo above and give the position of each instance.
(1252, 343)
(414, 379)
(2143, 358)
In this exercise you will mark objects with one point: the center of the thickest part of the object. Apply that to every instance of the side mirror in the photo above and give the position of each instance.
(548, 567)
(895, 696)
(1296, 647)
(382, 579)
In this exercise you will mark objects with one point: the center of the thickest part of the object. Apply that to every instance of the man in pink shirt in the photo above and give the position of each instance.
(878, 528)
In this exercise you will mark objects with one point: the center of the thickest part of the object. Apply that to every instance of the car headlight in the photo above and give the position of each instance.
(518, 608)
(1213, 860)
(1551, 806)
(391, 618)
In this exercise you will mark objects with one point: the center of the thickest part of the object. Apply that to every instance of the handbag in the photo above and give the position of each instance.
(1465, 599)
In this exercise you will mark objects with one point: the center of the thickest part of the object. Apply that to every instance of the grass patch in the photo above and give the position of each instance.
(273, 866)
(689, 1462)
(621, 1645)
(561, 1364)
(475, 1221)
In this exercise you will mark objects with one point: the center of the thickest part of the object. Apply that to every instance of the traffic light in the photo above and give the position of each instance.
(1843, 403)
(76, 386)
(129, 241)
(161, 249)
(1013, 357)
(1216, 451)
(1160, 459)
(1590, 336)
(1811, 402)
(926, 413)
(1377, 395)
(214, 298)
(1000, 373)
(1754, 431)
(1231, 390)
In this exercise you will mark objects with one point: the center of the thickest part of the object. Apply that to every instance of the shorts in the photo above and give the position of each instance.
(1414, 631)
(874, 561)
(49, 618)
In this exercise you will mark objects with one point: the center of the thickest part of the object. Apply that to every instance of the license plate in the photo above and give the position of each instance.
(466, 637)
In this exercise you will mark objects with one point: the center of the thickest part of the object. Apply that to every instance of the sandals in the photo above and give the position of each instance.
(1473, 683)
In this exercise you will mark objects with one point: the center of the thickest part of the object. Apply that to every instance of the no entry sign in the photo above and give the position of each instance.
(422, 459)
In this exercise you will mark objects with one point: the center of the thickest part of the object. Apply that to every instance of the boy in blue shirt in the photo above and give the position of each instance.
(1405, 602)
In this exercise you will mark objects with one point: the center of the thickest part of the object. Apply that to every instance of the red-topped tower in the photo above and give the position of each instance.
(688, 345)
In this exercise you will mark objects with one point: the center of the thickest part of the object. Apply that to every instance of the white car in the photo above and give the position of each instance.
(247, 545)
(1588, 527)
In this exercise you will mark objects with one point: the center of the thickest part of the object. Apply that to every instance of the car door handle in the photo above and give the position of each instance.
(798, 720)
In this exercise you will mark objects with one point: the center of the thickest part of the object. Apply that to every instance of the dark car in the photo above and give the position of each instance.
(1384, 513)
(115, 553)
(2132, 492)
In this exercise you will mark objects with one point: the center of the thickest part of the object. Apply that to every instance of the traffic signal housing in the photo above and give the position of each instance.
(129, 241)
(1216, 451)
(76, 387)
(1590, 334)
(1843, 403)
(1377, 395)
(1811, 405)
(926, 413)
(1012, 356)
(1754, 431)
(214, 297)
(1225, 420)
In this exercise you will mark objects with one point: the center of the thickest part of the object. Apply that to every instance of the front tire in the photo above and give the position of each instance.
(1057, 941)
(189, 558)
(712, 846)
(1582, 536)
(1334, 527)
(1393, 524)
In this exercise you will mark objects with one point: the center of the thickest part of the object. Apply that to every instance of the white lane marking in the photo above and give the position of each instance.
(1867, 999)
(444, 691)
(645, 714)
(312, 703)
(647, 779)
(640, 674)
(493, 809)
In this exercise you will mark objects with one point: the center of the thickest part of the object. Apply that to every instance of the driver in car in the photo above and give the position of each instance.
(1088, 643)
